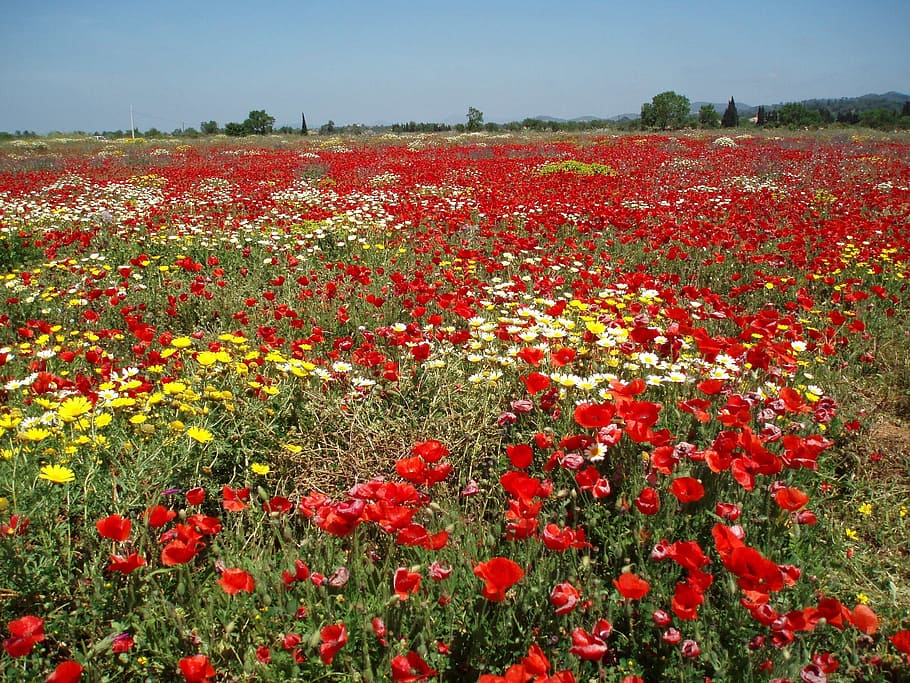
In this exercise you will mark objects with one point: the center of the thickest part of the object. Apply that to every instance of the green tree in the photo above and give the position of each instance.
(208, 127)
(235, 129)
(666, 110)
(328, 128)
(708, 116)
(797, 115)
(731, 116)
(475, 119)
(259, 123)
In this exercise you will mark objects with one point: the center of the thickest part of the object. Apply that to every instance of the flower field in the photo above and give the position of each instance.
(463, 409)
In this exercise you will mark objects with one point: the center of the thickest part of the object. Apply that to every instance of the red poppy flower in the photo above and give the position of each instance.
(410, 667)
(431, 451)
(123, 643)
(631, 586)
(405, 582)
(234, 500)
(235, 580)
(687, 489)
(648, 501)
(499, 574)
(195, 496)
(158, 516)
(587, 646)
(196, 669)
(865, 619)
(114, 527)
(790, 499)
(301, 573)
(180, 552)
(520, 455)
(66, 672)
(125, 565)
(564, 597)
(535, 382)
(333, 638)
(24, 633)
(594, 415)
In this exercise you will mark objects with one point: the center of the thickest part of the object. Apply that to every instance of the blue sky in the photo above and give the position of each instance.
(79, 65)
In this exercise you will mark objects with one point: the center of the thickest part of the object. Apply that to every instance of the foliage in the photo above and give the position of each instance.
(475, 118)
(708, 116)
(577, 167)
(666, 110)
(208, 127)
(259, 122)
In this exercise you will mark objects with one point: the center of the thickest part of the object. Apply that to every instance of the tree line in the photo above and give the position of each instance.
(666, 111)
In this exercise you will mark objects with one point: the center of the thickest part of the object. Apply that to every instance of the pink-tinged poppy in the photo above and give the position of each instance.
(587, 646)
(590, 481)
(437, 572)
(594, 415)
(158, 516)
(405, 582)
(790, 499)
(648, 501)
(332, 637)
(123, 643)
(127, 564)
(631, 586)
(66, 672)
(687, 489)
(195, 496)
(690, 649)
(235, 580)
(410, 667)
(498, 574)
(520, 455)
(564, 597)
(196, 669)
(114, 527)
(23, 634)
(380, 630)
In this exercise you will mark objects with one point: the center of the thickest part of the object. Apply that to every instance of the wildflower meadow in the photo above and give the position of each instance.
(456, 408)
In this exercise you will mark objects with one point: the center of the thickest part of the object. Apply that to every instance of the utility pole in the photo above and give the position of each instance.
(132, 126)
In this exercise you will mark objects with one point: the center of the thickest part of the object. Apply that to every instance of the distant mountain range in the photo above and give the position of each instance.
(888, 100)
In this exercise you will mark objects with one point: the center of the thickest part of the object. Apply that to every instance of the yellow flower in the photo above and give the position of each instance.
(865, 509)
(35, 434)
(57, 474)
(199, 434)
(851, 533)
(181, 342)
(862, 598)
(260, 468)
(292, 448)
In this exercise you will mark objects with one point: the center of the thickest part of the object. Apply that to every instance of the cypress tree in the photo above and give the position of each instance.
(731, 116)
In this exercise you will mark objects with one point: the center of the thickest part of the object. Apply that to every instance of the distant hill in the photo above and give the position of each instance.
(843, 105)
(889, 100)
